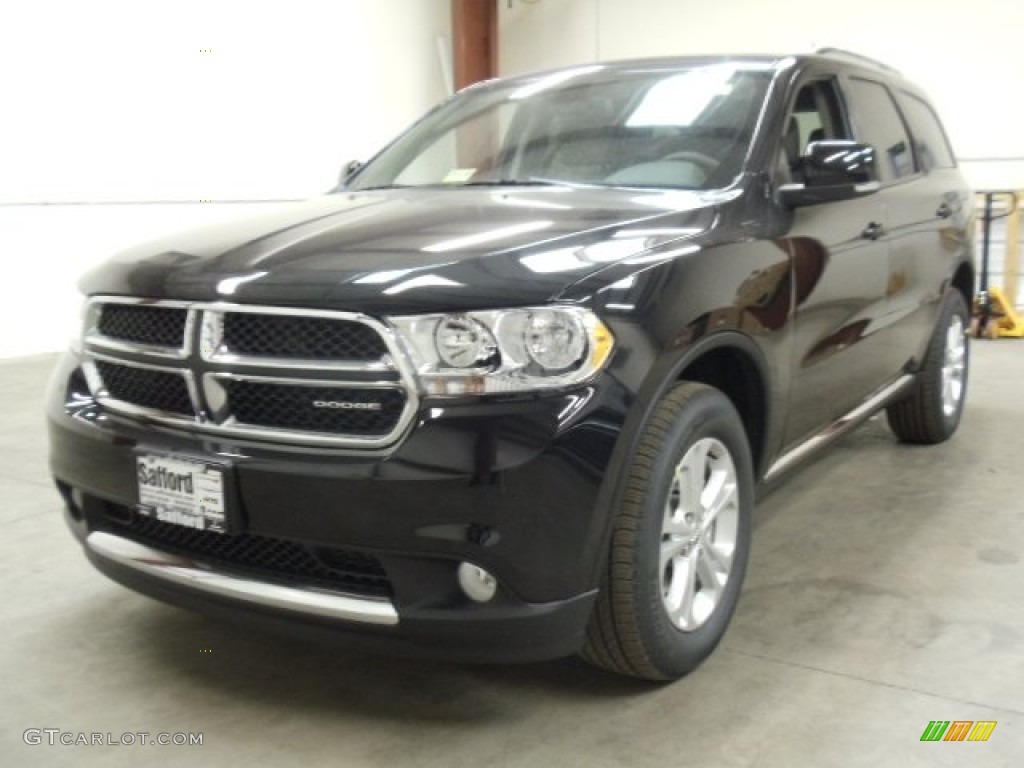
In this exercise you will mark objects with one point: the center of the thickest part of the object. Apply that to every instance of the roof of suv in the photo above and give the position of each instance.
(767, 60)
(597, 71)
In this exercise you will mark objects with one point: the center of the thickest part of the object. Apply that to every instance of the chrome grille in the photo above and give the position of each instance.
(308, 338)
(157, 326)
(265, 373)
(146, 387)
(315, 408)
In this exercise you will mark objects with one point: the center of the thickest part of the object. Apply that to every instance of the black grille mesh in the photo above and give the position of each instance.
(287, 560)
(292, 407)
(310, 338)
(146, 388)
(159, 326)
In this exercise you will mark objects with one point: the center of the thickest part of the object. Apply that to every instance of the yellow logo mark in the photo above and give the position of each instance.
(982, 730)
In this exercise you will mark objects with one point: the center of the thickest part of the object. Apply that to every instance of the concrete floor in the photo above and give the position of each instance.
(885, 591)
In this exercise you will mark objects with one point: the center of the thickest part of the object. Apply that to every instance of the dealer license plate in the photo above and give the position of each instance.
(181, 492)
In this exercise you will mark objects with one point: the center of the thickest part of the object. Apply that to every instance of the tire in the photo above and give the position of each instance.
(931, 413)
(649, 622)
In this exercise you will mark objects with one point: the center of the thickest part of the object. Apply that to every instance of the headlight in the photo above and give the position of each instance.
(555, 340)
(463, 342)
(508, 350)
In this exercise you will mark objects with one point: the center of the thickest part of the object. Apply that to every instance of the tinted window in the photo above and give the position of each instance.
(643, 127)
(930, 140)
(880, 124)
(818, 114)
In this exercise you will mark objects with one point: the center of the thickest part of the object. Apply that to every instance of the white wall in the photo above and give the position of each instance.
(153, 103)
(46, 248)
(965, 55)
(207, 99)
(542, 34)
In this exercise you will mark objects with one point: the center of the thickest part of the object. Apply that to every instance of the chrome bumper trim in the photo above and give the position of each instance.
(182, 570)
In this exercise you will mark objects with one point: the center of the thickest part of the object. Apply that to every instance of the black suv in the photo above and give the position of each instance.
(507, 393)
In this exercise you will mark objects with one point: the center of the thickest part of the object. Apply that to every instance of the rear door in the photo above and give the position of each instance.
(937, 207)
(922, 201)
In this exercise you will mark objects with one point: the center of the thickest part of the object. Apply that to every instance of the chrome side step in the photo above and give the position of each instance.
(838, 427)
(182, 570)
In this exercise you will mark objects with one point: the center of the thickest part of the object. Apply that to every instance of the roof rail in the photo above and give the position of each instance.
(842, 53)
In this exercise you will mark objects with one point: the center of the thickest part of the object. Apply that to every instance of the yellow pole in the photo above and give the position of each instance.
(1011, 262)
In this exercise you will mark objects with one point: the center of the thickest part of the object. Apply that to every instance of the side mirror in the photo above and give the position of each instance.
(348, 170)
(832, 170)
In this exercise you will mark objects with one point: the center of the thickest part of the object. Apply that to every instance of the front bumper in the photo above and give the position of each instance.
(176, 569)
(508, 484)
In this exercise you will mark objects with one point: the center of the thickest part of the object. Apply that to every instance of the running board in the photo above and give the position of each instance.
(839, 427)
(184, 571)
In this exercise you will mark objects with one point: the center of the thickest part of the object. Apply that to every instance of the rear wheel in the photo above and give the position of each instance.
(680, 541)
(931, 413)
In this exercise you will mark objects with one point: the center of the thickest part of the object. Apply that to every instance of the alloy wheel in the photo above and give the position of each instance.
(699, 533)
(954, 366)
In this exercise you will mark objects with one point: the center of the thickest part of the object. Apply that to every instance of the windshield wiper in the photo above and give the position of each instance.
(534, 182)
(507, 183)
(530, 182)
(380, 186)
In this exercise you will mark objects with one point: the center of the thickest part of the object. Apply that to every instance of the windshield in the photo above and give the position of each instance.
(677, 128)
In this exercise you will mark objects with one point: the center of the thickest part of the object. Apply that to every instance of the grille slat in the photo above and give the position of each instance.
(285, 406)
(330, 567)
(146, 388)
(156, 326)
(300, 337)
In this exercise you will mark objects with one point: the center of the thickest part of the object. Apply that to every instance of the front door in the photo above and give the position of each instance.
(841, 270)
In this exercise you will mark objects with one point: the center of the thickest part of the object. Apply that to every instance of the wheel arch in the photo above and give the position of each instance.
(729, 361)
(963, 281)
(737, 373)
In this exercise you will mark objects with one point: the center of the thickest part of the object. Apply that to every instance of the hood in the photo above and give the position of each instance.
(410, 250)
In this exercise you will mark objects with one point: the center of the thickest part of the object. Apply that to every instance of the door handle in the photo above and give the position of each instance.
(944, 211)
(873, 231)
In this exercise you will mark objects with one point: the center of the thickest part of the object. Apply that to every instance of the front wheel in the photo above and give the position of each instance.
(931, 413)
(680, 541)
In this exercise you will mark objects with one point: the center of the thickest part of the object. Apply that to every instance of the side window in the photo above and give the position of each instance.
(879, 124)
(933, 149)
(816, 115)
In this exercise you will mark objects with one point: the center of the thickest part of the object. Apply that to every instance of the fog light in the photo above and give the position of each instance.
(478, 584)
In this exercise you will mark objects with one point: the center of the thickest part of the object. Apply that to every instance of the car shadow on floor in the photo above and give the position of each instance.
(275, 671)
